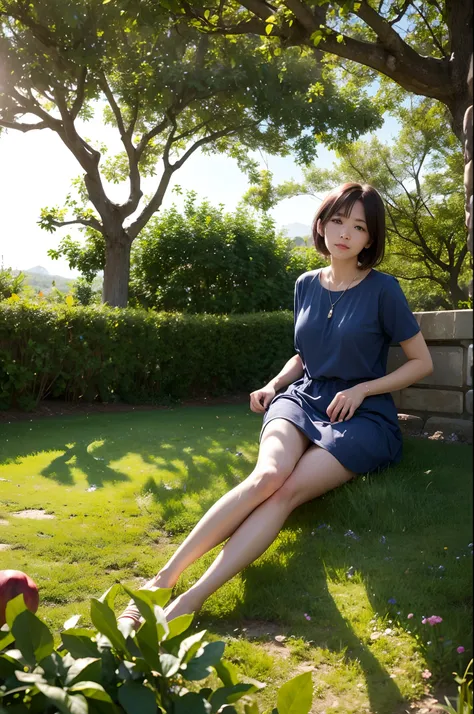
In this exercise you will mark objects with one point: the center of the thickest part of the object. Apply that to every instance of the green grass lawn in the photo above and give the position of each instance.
(125, 489)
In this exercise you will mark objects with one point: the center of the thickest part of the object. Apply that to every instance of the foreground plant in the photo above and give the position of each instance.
(115, 670)
(464, 698)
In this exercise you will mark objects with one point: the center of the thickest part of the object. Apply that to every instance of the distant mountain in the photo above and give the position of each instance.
(38, 270)
(297, 230)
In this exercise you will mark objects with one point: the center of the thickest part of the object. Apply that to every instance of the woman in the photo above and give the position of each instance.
(329, 414)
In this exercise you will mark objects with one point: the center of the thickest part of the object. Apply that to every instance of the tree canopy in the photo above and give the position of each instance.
(420, 179)
(423, 47)
(169, 90)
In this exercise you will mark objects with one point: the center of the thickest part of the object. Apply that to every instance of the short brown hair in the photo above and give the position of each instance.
(341, 200)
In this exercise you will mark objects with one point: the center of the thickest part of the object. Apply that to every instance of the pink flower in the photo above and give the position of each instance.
(460, 650)
(434, 620)
(424, 621)
(409, 616)
(307, 616)
(426, 674)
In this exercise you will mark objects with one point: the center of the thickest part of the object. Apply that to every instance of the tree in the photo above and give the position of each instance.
(420, 180)
(168, 90)
(424, 47)
(205, 260)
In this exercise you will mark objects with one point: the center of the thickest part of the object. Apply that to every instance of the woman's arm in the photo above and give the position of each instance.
(292, 371)
(419, 365)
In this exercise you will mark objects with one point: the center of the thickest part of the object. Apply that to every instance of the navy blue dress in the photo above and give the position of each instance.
(337, 353)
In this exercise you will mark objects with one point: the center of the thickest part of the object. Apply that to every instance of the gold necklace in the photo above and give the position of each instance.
(333, 304)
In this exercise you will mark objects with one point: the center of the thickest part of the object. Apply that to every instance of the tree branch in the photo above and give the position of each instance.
(23, 127)
(90, 222)
(430, 30)
(79, 100)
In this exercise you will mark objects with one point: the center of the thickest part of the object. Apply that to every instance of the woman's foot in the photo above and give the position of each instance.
(184, 604)
(132, 612)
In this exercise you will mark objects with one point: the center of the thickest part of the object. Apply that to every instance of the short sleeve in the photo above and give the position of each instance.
(398, 321)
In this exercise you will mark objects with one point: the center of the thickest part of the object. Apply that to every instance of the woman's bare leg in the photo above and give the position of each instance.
(281, 447)
(316, 472)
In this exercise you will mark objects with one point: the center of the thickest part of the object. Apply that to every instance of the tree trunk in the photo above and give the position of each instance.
(457, 294)
(117, 269)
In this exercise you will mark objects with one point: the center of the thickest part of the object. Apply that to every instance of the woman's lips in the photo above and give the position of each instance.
(343, 247)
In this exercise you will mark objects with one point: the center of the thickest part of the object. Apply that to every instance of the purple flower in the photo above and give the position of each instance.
(433, 620)
(307, 617)
(391, 601)
(460, 650)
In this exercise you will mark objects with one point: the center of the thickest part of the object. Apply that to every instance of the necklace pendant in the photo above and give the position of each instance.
(330, 313)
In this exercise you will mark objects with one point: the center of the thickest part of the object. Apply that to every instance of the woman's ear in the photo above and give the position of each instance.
(319, 227)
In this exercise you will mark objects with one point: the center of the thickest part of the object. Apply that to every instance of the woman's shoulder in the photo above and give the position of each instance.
(308, 276)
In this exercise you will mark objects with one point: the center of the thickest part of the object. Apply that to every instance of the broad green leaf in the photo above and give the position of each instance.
(94, 691)
(268, 29)
(63, 701)
(251, 708)
(190, 646)
(32, 637)
(229, 695)
(137, 699)
(14, 607)
(109, 596)
(79, 643)
(169, 664)
(296, 696)
(8, 666)
(179, 625)
(104, 620)
(191, 703)
(6, 638)
(227, 673)
(199, 667)
(87, 668)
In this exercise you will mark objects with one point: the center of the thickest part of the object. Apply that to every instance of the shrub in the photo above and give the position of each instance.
(113, 670)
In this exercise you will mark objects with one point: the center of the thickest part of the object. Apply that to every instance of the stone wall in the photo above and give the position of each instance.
(444, 397)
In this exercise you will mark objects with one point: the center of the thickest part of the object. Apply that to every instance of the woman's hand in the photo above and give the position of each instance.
(345, 403)
(261, 398)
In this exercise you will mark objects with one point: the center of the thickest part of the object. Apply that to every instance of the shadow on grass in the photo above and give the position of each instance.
(379, 527)
(412, 507)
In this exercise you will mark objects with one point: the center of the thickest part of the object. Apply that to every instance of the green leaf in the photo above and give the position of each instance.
(104, 620)
(62, 700)
(190, 646)
(227, 673)
(32, 637)
(199, 667)
(8, 666)
(79, 642)
(207, 14)
(268, 29)
(296, 696)
(87, 668)
(137, 699)
(191, 703)
(169, 664)
(179, 625)
(14, 607)
(340, 38)
(109, 596)
(251, 708)
(94, 691)
(229, 695)
(6, 638)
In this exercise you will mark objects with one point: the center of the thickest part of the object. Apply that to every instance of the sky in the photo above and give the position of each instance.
(36, 170)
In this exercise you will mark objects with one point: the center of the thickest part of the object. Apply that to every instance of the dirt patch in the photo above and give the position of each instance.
(5, 546)
(3, 522)
(47, 409)
(36, 514)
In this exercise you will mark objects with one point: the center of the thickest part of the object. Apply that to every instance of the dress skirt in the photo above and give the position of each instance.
(371, 440)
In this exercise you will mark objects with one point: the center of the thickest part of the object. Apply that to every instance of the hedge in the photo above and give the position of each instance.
(113, 354)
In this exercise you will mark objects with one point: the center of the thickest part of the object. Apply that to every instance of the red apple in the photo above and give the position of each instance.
(13, 583)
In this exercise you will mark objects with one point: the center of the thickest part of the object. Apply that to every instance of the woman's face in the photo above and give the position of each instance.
(346, 236)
